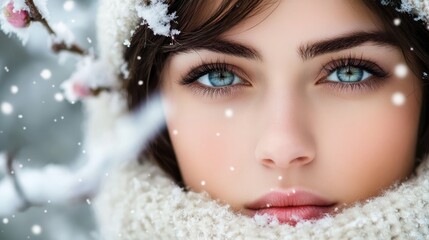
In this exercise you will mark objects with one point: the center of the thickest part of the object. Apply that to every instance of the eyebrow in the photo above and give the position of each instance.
(311, 50)
(225, 47)
(306, 51)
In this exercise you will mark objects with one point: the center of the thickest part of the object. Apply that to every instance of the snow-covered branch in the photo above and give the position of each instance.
(59, 184)
(92, 76)
(22, 188)
(17, 17)
(19, 14)
(155, 15)
(61, 41)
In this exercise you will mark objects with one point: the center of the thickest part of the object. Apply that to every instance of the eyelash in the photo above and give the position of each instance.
(204, 69)
(374, 81)
(378, 74)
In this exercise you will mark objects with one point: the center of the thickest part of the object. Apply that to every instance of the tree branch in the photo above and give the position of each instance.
(36, 16)
(61, 184)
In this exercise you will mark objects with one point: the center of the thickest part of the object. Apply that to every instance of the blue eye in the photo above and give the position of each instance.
(349, 74)
(219, 79)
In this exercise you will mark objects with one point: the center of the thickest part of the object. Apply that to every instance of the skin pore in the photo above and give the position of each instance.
(280, 119)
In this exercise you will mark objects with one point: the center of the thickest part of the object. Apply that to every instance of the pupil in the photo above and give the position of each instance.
(222, 76)
(349, 71)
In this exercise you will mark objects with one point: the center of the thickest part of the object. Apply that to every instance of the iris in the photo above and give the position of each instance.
(350, 74)
(220, 79)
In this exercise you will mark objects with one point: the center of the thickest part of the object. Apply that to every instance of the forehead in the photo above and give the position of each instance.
(306, 20)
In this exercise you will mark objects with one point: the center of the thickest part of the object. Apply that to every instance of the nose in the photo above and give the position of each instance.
(286, 139)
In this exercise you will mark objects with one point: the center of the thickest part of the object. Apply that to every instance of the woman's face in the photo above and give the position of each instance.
(299, 110)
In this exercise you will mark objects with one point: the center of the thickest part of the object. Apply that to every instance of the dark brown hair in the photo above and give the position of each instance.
(412, 36)
(148, 53)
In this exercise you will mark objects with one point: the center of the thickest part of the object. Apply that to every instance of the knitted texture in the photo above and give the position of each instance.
(116, 22)
(141, 202)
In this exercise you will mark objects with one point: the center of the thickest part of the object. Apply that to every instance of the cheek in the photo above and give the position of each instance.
(369, 146)
(200, 138)
(363, 145)
(215, 152)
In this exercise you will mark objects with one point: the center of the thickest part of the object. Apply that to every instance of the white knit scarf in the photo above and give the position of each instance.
(141, 202)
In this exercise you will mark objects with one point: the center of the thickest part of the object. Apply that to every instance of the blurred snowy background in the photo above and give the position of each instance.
(41, 126)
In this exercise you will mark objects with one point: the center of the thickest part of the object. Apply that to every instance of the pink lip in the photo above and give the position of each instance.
(290, 207)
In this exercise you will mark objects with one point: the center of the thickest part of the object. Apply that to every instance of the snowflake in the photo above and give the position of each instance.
(156, 16)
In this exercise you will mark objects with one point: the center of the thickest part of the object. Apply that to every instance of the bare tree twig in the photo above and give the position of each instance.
(97, 91)
(36, 16)
(57, 47)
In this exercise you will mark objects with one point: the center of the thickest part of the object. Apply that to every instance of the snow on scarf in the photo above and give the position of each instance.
(142, 202)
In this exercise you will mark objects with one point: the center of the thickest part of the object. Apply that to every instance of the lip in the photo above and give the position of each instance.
(290, 207)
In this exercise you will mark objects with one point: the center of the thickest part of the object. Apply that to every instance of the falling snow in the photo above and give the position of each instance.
(397, 21)
(398, 99)
(36, 229)
(46, 74)
(14, 89)
(160, 26)
(401, 70)
(68, 5)
(6, 108)
(125, 141)
(59, 97)
(229, 113)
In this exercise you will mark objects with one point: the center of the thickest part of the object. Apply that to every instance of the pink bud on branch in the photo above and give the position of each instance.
(17, 18)
(81, 91)
(18, 15)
